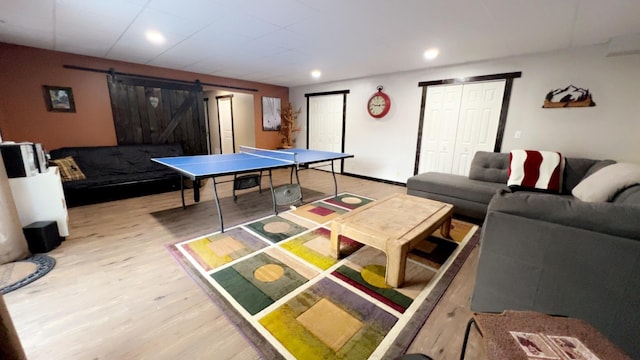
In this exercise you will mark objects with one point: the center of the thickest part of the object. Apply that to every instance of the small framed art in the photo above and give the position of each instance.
(271, 120)
(59, 98)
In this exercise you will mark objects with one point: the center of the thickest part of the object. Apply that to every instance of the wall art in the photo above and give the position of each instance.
(271, 120)
(58, 98)
(570, 96)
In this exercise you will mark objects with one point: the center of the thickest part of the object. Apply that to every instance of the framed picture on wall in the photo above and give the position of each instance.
(59, 98)
(271, 120)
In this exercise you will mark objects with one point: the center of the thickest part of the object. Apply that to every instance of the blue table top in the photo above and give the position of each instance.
(198, 166)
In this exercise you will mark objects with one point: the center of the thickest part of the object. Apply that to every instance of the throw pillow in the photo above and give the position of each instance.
(604, 184)
(69, 170)
(535, 170)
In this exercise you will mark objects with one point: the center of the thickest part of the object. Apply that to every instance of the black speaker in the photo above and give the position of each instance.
(42, 236)
(19, 159)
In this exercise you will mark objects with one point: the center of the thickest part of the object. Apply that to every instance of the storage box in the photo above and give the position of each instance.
(42, 236)
(247, 181)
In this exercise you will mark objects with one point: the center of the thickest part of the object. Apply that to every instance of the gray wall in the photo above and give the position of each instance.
(385, 148)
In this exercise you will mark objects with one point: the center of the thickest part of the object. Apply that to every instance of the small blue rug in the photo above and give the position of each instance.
(44, 264)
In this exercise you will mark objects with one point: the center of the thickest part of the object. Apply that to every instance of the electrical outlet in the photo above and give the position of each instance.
(518, 134)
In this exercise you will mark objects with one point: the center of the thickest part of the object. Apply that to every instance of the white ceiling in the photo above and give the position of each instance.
(281, 41)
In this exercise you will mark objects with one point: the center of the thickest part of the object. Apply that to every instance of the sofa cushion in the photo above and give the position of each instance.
(455, 186)
(122, 179)
(69, 169)
(535, 170)
(605, 183)
(98, 161)
(489, 166)
(628, 196)
(576, 169)
(608, 218)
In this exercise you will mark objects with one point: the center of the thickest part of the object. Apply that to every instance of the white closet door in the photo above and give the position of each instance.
(325, 124)
(439, 128)
(478, 122)
(226, 125)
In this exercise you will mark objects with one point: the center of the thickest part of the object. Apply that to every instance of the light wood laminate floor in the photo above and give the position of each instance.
(116, 293)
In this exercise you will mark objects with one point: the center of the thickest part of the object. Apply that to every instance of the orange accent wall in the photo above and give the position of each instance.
(24, 116)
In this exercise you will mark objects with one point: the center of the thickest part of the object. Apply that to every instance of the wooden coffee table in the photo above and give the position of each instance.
(394, 225)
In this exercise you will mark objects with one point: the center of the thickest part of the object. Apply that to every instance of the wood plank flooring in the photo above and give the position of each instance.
(116, 293)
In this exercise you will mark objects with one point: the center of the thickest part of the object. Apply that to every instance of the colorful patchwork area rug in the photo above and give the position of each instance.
(274, 277)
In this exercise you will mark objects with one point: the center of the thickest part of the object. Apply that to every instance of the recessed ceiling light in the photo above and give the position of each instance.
(155, 37)
(431, 53)
(316, 74)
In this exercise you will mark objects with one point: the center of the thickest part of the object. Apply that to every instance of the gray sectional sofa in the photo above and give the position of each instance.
(551, 253)
(470, 195)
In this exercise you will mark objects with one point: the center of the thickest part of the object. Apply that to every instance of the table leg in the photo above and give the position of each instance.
(466, 337)
(215, 195)
(335, 182)
(298, 181)
(196, 190)
(235, 177)
(336, 228)
(182, 190)
(273, 194)
(396, 264)
(446, 228)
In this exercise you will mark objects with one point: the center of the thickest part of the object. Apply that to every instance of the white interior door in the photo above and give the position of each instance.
(478, 122)
(325, 124)
(439, 128)
(225, 121)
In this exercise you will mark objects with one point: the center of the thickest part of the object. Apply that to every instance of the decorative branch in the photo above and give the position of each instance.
(288, 126)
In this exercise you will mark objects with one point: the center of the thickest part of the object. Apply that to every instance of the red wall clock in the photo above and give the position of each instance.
(379, 104)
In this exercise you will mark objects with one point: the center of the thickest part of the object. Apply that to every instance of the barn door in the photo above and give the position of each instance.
(158, 112)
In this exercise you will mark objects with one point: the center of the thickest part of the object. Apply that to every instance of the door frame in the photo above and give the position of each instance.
(233, 131)
(206, 123)
(506, 98)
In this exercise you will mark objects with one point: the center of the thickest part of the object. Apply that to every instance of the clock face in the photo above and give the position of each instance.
(379, 105)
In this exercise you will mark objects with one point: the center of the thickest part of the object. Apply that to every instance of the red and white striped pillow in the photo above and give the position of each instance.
(535, 170)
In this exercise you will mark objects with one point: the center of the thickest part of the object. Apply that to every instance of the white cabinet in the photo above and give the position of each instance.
(40, 198)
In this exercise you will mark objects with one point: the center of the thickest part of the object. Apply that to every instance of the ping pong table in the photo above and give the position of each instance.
(249, 159)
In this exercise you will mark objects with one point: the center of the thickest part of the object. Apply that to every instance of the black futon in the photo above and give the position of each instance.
(116, 172)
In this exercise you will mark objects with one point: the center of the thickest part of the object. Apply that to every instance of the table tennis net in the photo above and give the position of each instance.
(272, 154)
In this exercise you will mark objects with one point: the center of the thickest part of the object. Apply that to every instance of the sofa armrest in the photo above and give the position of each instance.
(536, 265)
(609, 218)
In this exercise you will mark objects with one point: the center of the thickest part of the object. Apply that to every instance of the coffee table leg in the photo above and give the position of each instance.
(336, 228)
(396, 263)
(446, 228)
